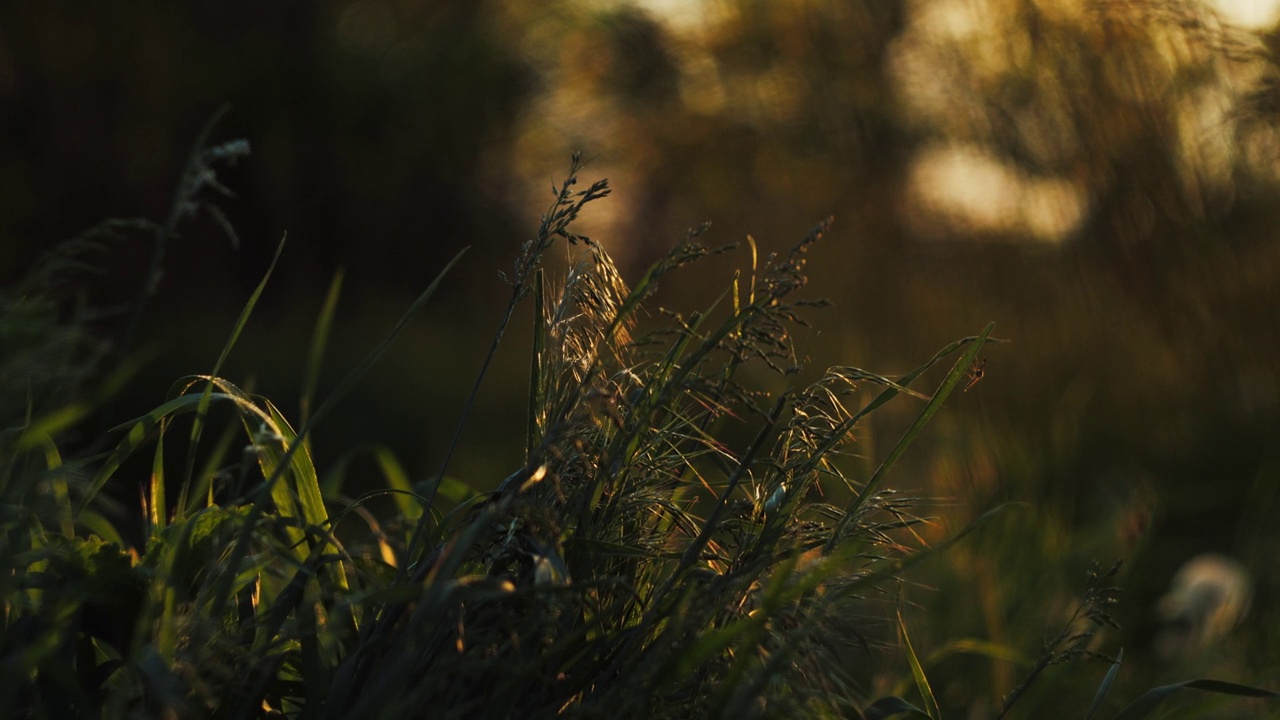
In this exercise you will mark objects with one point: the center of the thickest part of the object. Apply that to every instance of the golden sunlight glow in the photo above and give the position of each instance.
(1255, 14)
(679, 14)
(962, 188)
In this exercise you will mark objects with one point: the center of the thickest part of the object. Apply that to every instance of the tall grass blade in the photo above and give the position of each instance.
(190, 496)
(139, 429)
(409, 504)
(917, 672)
(58, 484)
(222, 592)
(533, 436)
(892, 391)
(39, 430)
(555, 223)
(957, 373)
(1152, 698)
(197, 427)
(315, 352)
(1103, 688)
(303, 494)
(157, 505)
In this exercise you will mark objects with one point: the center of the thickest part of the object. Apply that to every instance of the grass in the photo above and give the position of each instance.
(678, 542)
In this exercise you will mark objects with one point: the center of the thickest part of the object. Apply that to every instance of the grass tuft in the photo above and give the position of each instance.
(648, 559)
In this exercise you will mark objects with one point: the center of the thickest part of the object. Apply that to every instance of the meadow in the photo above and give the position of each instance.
(697, 529)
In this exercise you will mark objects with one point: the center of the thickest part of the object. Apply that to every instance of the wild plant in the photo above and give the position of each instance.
(644, 561)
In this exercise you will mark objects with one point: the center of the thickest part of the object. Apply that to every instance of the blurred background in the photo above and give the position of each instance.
(1100, 179)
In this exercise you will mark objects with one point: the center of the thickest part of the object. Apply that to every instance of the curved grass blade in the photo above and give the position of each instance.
(223, 589)
(319, 340)
(1107, 680)
(1152, 698)
(397, 479)
(917, 672)
(982, 648)
(138, 431)
(907, 379)
(197, 427)
(854, 374)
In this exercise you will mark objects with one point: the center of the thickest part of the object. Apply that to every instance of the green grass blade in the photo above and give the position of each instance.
(533, 433)
(49, 425)
(157, 505)
(856, 374)
(982, 648)
(354, 377)
(247, 310)
(58, 486)
(917, 672)
(139, 430)
(889, 393)
(224, 585)
(454, 490)
(957, 373)
(197, 427)
(300, 497)
(892, 390)
(397, 479)
(1107, 680)
(190, 496)
(277, 444)
(102, 527)
(319, 341)
(1152, 698)
(306, 482)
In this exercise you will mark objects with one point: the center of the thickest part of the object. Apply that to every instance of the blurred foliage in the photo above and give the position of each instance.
(1098, 178)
